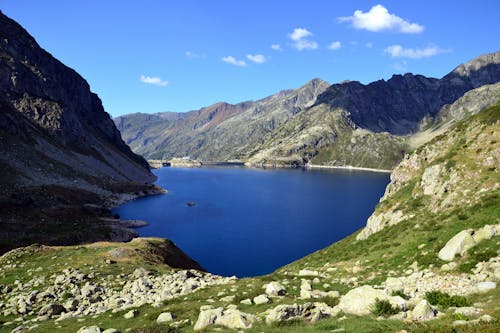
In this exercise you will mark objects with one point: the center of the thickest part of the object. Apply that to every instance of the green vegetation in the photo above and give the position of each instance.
(444, 300)
(384, 308)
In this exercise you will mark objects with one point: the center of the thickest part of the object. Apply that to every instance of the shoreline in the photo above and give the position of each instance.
(346, 167)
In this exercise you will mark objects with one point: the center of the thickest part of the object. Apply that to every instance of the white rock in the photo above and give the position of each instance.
(261, 299)
(246, 301)
(89, 329)
(359, 301)
(228, 299)
(231, 318)
(275, 289)
(485, 286)
(459, 244)
(131, 314)
(164, 317)
(423, 311)
(486, 232)
(307, 272)
(393, 284)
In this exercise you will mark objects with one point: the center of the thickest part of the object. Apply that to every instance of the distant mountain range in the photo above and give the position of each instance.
(341, 124)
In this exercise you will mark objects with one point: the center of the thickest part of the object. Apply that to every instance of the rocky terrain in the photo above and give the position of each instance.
(347, 124)
(59, 150)
(428, 260)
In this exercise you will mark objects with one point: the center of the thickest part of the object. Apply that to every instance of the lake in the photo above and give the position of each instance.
(249, 222)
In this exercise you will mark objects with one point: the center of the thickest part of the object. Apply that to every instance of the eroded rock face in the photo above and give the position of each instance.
(58, 123)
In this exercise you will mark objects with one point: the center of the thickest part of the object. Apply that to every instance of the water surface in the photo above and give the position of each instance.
(249, 222)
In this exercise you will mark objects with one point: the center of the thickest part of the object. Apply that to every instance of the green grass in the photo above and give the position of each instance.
(384, 308)
(445, 301)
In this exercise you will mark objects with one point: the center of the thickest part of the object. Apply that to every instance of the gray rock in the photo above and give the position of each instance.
(246, 301)
(20, 329)
(230, 318)
(51, 310)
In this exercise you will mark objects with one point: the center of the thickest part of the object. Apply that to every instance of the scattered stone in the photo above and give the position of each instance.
(165, 317)
(468, 311)
(449, 266)
(20, 329)
(459, 322)
(311, 312)
(275, 289)
(111, 330)
(131, 314)
(261, 299)
(393, 284)
(246, 301)
(486, 318)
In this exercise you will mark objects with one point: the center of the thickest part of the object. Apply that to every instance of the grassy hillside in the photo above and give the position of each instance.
(461, 193)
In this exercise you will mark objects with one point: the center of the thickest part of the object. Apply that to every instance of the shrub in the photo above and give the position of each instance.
(444, 300)
(401, 294)
(384, 308)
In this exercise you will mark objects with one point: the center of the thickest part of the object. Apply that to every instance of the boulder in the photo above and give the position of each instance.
(230, 318)
(261, 299)
(246, 301)
(311, 312)
(275, 289)
(485, 286)
(308, 272)
(486, 232)
(89, 329)
(165, 317)
(423, 311)
(131, 314)
(51, 310)
(459, 244)
(359, 301)
(393, 284)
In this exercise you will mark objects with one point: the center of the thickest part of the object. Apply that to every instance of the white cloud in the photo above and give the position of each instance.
(194, 55)
(276, 47)
(153, 80)
(335, 45)
(299, 36)
(257, 58)
(397, 51)
(233, 61)
(299, 33)
(379, 19)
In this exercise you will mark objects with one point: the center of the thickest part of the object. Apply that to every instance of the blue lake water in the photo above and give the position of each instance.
(249, 222)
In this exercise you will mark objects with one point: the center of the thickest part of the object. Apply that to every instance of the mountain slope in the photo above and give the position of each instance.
(58, 146)
(343, 124)
(219, 132)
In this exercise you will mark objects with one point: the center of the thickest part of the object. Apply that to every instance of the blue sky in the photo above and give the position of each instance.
(153, 56)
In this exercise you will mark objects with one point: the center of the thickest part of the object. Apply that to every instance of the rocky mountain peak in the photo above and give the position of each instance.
(481, 70)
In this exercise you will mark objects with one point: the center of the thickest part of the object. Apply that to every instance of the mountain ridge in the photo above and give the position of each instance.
(382, 114)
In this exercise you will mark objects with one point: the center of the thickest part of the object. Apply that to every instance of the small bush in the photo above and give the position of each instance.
(384, 308)
(444, 300)
(401, 294)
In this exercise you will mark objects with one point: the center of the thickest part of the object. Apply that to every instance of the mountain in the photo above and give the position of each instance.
(58, 147)
(343, 124)
(216, 133)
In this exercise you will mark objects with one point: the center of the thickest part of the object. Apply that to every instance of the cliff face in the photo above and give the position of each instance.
(61, 156)
(54, 129)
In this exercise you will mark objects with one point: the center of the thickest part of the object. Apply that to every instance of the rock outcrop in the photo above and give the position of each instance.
(59, 150)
